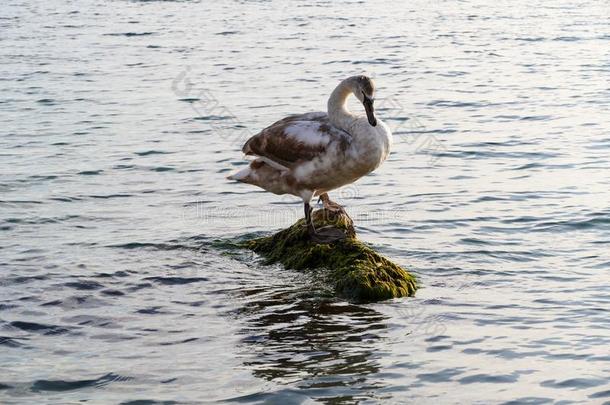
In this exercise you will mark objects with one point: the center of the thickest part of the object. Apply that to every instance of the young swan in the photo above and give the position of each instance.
(310, 154)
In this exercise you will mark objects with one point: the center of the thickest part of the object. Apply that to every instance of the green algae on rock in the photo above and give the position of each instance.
(356, 271)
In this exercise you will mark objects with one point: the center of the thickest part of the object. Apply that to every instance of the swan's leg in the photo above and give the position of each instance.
(331, 205)
(310, 228)
(326, 234)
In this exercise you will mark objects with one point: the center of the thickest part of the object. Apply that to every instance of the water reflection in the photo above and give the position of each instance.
(323, 346)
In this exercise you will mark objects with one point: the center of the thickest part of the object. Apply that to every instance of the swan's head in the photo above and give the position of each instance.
(363, 88)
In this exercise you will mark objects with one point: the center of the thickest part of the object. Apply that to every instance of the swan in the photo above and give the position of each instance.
(310, 154)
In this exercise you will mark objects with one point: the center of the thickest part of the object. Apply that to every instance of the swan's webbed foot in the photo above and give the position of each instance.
(331, 205)
(326, 234)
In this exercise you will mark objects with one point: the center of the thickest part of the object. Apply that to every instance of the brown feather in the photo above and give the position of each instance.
(276, 144)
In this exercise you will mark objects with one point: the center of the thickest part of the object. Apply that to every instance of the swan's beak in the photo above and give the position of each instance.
(370, 110)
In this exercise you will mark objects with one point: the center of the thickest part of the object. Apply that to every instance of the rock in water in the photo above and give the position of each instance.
(357, 271)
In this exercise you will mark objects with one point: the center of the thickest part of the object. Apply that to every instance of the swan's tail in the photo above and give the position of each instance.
(257, 170)
(240, 175)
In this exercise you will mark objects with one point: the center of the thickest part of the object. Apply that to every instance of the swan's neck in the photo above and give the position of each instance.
(338, 113)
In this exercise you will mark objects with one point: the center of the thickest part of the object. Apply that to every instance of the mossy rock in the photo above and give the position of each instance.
(356, 271)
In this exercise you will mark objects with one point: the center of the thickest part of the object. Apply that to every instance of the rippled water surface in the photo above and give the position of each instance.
(120, 120)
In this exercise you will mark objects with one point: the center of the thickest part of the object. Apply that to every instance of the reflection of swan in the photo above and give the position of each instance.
(315, 343)
(311, 154)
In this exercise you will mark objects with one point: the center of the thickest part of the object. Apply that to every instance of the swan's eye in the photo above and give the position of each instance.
(367, 98)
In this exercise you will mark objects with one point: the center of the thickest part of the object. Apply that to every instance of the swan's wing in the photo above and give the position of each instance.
(296, 139)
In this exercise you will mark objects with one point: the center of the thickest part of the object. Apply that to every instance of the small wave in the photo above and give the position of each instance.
(65, 385)
(445, 375)
(140, 286)
(600, 222)
(337, 61)
(163, 169)
(84, 285)
(599, 143)
(213, 118)
(123, 167)
(9, 342)
(91, 320)
(574, 383)
(523, 117)
(118, 273)
(146, 245)
(23, 279)
(487, 378)
(65, 199)
(176, 280)
(130, 34)
(376, 61)
(567, 39)
(518, 220)
(475, 241)
(529, 401)
(109, 196)
(536, 118)
(151, 311)
(491, 198)
(39, 328)
(137, 245)
(90, 172)
(112, 293)
(20, 202)
(187, 340)
(453, 73)
(73, 302)
(485, 154)
(447, 103)
(601, 394)
(152, 152)
(529, 166)
(530, 39)
(42, 177)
